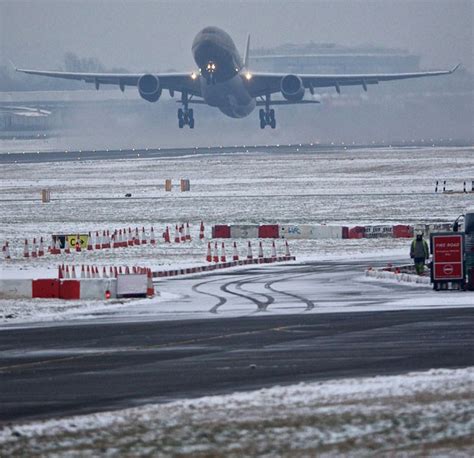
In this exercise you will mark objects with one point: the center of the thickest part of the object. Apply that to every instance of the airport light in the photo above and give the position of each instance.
(248, 76)
(193, 76)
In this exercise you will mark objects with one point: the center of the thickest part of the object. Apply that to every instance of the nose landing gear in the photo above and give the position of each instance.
(185, 114)
(267, 115)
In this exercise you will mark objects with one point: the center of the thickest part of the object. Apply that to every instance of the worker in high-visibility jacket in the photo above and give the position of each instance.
(419, 252)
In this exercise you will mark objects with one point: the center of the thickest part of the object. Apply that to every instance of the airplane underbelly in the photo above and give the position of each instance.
(230, 97)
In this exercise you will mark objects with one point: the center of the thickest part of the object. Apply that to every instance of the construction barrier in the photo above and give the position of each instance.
(90, 286)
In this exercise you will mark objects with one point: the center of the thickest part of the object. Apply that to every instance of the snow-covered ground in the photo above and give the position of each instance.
(358, 187)
(417, 414)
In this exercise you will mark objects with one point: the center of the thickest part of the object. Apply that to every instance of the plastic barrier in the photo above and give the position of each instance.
(46, 289)
(269, 231)
(402, 231)
(244, 231)
(221, 231)
(381, 231)
(19, 289)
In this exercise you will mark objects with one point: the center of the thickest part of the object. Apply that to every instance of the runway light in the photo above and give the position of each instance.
(248, 76)
(107, 294)
(193, 76)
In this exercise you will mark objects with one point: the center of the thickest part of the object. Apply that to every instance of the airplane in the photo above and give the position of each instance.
(224, 80)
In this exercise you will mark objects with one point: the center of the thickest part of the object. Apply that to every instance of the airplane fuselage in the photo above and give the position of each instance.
(220, 66)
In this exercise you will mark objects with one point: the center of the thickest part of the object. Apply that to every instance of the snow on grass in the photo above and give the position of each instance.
(423, 413)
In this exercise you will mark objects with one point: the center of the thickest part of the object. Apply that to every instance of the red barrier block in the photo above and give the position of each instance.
(269, 231)
(46, 288)
(356, 232)
(345, 232)
(221, 231)
(402, 231)
(70, 289)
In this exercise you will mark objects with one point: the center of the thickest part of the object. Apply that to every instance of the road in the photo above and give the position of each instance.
(78, 367)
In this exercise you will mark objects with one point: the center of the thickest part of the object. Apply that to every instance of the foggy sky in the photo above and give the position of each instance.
(156, 35)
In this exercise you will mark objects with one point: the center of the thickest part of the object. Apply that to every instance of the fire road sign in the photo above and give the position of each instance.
(448, 256)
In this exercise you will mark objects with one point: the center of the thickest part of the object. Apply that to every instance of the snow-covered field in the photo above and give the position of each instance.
(373, 186)
(417, 414)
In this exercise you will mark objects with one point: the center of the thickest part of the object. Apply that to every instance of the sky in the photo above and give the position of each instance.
(156, 35)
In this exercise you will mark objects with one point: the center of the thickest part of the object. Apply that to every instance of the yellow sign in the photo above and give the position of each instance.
(82, 238)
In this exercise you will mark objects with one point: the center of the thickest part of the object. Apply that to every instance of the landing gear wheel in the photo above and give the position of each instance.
(180, 114)
(273, 123)
(262, 124)
(181, 123)
(191, 123)
(262, 114)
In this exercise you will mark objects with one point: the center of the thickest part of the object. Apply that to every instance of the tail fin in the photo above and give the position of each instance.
(246, 54)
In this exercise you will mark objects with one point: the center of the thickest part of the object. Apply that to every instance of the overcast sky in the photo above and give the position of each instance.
(157, 35)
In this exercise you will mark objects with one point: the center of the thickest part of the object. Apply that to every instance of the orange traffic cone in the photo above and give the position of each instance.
(67, 272)
(235, 256)
(152, 236)
(78, 244)
(41, 247)
(260, 250)
(181, 233)
(287, 249)
(104, 273)
(73, 272)
(188, 234)
(201, 231)
(176, 235)
(60, 272)
(89, 242)
(215, 258)
(274, 253)
(26, 251)
(34, 252)
(136, 240)
(97, 241)
(223, 256)
(143, 236)
(249, 251)
(150, 290)
(209, 255)
(67, 247)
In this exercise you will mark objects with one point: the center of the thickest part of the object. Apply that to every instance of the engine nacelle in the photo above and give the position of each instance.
(149, 87)
(292, 88)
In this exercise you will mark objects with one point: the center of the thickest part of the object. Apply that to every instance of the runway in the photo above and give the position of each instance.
(29, 156)
(53, 370)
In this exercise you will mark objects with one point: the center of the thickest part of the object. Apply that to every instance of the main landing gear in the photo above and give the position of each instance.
(267, 115)
(267, 118)
(185, 114)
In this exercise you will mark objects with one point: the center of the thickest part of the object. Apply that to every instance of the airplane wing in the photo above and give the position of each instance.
(260, 84)
(179, 82)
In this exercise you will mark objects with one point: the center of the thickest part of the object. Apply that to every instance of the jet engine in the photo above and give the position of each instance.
(292, 88)
(149, 87)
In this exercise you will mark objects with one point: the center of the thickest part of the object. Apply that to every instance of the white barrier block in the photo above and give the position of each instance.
(95, 288)
(132, 285)
(243, 231)
(307, 231)
(16, 289)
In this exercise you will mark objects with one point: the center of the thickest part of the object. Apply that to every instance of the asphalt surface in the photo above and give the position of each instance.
(8, 157)
(78, 368)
